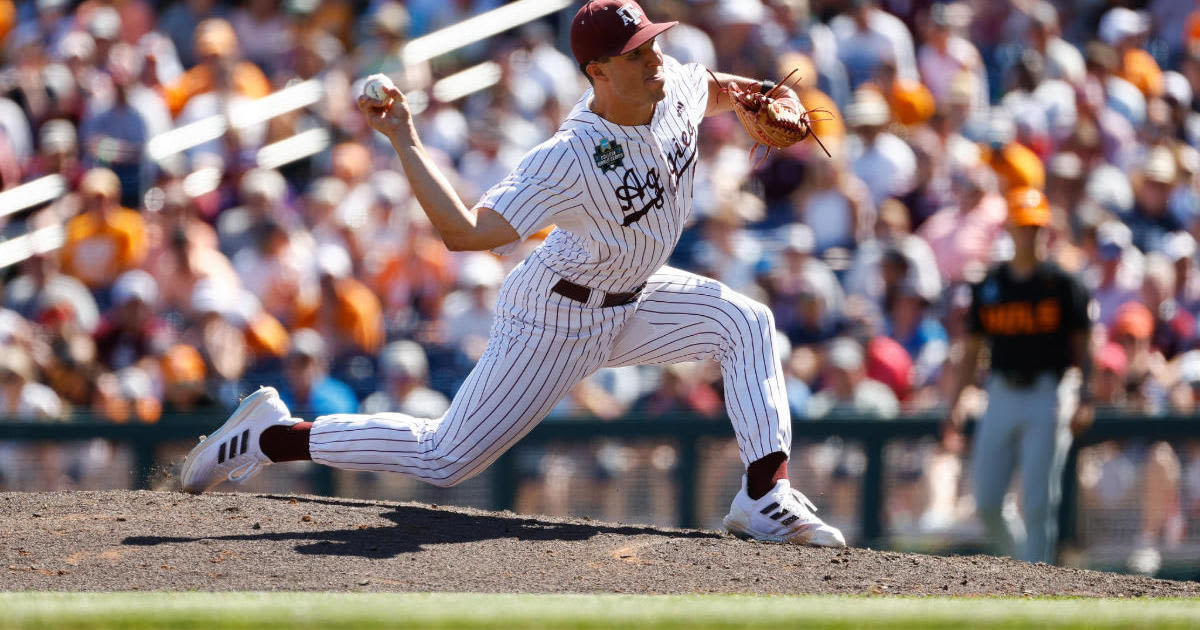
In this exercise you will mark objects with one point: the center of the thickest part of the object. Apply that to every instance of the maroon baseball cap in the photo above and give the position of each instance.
(605, 28)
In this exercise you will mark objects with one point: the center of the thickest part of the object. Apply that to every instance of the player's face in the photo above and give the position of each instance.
(1027, 238)
(637, 75)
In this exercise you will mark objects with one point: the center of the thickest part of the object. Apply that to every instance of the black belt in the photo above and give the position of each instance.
(580, 293)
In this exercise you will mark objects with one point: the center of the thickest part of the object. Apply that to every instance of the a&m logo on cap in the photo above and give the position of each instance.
(630, 14)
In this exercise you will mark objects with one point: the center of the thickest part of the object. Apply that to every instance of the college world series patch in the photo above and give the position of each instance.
(609, 155)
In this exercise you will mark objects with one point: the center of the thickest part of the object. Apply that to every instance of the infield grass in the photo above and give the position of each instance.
(367, 611)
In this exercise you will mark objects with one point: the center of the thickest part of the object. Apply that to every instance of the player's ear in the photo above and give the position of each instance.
(595, 70)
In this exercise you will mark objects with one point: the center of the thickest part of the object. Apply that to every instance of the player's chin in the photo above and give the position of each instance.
(657, 88)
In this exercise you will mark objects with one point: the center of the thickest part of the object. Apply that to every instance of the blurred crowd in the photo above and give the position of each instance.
(188, 277)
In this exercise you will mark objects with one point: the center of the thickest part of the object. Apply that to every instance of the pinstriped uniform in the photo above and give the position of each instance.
(619, 196)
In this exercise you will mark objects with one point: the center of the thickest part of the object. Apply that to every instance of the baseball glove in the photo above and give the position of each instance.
(775, 122)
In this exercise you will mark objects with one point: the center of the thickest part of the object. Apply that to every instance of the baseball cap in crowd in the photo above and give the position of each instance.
(1112, 357)
(307, 344)
(846, 354)
(1133, 319)
(732, 12)
(1028, 206)
(799, 238)
(333, 260)
(104, 23)
(869, 109)
(1112, 237)
(606, 28)
(404, 358)
(1177, 88)
(135, 284)
(1179, 245)
(1189, 367)
(889, 363)
(1120, 23)
(57, 136)
(1160, 166)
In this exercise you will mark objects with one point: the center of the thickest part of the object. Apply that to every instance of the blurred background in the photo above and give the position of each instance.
(191, 207)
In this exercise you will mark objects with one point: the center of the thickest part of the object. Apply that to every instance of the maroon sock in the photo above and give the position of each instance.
(762, 474)
(286, 444)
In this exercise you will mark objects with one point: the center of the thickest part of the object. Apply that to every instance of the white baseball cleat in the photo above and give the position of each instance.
(232, 453)
(783, 515)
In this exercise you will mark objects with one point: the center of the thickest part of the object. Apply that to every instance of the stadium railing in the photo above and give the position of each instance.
(684, 432)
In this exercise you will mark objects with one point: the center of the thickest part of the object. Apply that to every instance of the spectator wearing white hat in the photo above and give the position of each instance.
(1150, 220)
(22, 398)
(879, 158)
(1116, 275)
(404, 386)
(848, 388)
(261, 195)
(308, 387)
(212, 331)
(132, 330)
(346, 313)
(802, 291)
(866, 35)
(946, 53)
(467, 313)
(1063, 60)
(1123, 30)
(1180, 249)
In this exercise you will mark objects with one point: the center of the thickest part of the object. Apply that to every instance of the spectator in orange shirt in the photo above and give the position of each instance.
(219, 66)
(346, 313)
(1123, 29)
(105, 239)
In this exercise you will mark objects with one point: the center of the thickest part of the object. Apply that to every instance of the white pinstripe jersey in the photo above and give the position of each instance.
(618, 195)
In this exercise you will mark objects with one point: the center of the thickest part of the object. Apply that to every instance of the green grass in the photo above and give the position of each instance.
(363, 611)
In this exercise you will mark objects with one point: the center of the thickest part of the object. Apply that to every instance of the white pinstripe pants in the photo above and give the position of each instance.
(542, 344)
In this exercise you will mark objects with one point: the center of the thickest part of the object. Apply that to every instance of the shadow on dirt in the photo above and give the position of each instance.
(417, 527)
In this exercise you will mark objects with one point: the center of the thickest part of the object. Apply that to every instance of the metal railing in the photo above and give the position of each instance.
(685, 432)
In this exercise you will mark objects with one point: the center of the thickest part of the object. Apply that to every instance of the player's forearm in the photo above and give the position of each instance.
(719, 100)
(455, 223)
(1081, 357)
(964, 373)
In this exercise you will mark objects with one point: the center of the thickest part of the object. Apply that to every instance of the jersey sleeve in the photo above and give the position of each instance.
(693, 88)
(543, 186)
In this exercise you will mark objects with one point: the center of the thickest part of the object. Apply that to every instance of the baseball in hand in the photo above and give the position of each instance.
(375, 87)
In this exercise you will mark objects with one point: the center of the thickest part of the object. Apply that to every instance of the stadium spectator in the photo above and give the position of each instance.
(961, 236)
(879, 158)
(848, 388)
(22, 397)
(866, 36)
(105, 239)
(404, 384)
(219, 67)
(803, 292)
(307, 384)
(43, 292)
(131, 330)
(345, 312)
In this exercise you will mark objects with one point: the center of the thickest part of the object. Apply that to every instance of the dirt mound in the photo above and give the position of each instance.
(119, 540)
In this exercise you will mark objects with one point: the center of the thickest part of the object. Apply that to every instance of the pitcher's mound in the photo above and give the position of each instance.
(122, 540)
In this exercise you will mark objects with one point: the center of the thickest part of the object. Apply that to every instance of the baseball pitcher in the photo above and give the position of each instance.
(616, 180)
